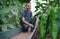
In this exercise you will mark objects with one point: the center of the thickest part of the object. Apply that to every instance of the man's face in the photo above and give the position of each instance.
(28, 6)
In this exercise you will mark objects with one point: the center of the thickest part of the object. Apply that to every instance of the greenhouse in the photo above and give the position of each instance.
(29, 19)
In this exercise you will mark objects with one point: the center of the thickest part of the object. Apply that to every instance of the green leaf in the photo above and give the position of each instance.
(4, 27)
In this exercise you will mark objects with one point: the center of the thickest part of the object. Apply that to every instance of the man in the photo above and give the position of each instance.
(26, 18)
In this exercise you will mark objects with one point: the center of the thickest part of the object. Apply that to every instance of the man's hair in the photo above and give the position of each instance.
(28, 3)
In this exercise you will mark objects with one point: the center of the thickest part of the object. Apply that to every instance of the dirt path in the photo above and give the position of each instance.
(22, 35)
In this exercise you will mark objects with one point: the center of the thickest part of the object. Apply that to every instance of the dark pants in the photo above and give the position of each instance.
(25, 27)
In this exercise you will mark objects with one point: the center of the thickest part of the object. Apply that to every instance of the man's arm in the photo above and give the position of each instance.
(23, 19)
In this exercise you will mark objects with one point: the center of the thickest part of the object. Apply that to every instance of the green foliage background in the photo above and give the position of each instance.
(49, 18)
(10, 13)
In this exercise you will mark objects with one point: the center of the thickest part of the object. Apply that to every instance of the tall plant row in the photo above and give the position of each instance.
(48, 18)
(52, 22)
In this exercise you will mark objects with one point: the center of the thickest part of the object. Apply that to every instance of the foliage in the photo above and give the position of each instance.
(53, 11)
(52, 22)
(40, 7)
(48, 18)
(41, 10)
(10, 13)
(26, 1)
(42, 27)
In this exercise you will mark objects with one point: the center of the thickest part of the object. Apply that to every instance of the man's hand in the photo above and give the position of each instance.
(23, 19)
(31, 25)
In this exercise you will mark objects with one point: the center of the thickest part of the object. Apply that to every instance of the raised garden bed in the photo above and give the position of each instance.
(9, 33)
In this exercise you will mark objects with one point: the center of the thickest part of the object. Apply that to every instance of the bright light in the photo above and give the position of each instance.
(33, 4)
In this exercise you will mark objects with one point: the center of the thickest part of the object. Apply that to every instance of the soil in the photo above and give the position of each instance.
(36, 35)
